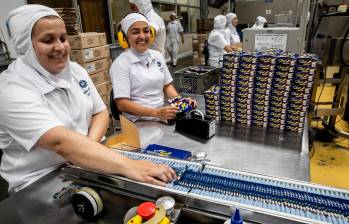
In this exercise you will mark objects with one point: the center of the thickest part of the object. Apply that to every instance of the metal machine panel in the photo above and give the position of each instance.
(293, 41)
(247, 11)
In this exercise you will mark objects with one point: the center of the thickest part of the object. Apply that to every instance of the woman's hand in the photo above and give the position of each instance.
(148, 172)
(166, 113)
(191, 102)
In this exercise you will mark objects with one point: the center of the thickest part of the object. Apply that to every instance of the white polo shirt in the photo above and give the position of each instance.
(138, 82)
(30, 106)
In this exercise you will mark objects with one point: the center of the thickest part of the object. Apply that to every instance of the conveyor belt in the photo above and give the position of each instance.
(299, 201)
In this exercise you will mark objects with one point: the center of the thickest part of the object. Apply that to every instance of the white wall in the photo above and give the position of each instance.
(5, 8)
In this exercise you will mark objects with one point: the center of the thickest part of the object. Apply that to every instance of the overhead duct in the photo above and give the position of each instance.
(216, 3)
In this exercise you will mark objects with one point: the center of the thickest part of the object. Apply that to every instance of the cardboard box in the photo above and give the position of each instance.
(89, 54)
(104, 90)
(100, 77)
(129, 138)
(87, 40)
(96, 66)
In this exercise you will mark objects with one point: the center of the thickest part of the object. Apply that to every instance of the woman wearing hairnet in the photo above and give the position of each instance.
(146, 8)
(140, 77)
(50, 110)
(232, 22)
(217, 42)
(260, 22)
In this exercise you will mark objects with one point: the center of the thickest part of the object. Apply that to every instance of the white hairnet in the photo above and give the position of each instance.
(261, 19)
(131, 19)
(219, 22)
(144, 6)
(20, 23)
(174, 14)
(230, 16)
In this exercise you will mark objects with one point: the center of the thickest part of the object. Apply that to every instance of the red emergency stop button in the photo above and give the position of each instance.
(146, 210)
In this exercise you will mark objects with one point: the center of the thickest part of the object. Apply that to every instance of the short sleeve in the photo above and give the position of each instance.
(120, 77)
(25, 116)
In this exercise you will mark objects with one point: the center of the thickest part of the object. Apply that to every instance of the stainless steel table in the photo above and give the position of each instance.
(254, 150)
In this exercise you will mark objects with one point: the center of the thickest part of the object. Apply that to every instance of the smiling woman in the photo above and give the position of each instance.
(50, 110)
(50, 43)
(140, 77)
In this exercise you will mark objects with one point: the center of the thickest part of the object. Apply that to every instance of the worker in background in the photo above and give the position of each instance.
(260, 22)
(140, 77)
(50, 110)
(174, 29)
(146, 8)
(230, 29)
(217, 42)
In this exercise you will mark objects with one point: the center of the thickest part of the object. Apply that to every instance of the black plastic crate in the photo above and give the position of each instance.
(196, 79)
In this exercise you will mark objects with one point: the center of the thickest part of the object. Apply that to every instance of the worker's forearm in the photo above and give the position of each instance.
(99, 125)
(170, 91)
(126, 105)
(82, 151)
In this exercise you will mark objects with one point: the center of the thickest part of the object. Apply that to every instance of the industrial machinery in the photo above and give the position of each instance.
(209, 194)
(284, 38)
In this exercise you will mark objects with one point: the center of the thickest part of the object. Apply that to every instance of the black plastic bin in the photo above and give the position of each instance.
(196, 79)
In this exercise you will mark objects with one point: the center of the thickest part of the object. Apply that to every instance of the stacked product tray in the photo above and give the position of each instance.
(212, 102)
(294, 200)
(267, 89)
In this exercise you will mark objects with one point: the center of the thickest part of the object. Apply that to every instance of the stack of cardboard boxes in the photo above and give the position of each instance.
(92, 53)
(198, 48)
(204, 26)
(70, 20)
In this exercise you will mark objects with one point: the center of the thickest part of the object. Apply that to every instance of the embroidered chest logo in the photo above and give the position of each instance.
(160, 66)
(85, 88)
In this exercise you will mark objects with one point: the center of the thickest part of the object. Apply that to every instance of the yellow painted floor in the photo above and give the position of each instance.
(329, 162)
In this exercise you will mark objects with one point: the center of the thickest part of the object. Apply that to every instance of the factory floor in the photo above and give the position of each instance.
(329, 161)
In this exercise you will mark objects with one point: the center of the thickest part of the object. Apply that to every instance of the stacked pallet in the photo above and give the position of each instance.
(70, 20)
(92, 53)
(204, 26)
(198, 48)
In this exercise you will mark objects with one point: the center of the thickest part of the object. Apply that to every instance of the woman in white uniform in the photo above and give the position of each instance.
(50, 110)
(146, 8)
(140, 77)
(232, 22)
(260, 21)
(217, 42)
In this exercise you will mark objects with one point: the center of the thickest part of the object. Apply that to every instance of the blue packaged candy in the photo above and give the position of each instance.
(283, 75)
(307, 60)
(265, 67)
(248, 58)
(266, 58)
(248, 72)
(264, 73)
(249, 66)
(165, 151)
(277, 104)
(285, 60)
(284, 68)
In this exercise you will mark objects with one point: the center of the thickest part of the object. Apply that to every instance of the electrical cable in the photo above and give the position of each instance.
(341, 52)
(318, 100)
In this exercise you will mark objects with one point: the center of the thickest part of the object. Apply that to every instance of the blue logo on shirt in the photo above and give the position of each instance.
(82, 83)
(85, 88)
(160, 66)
